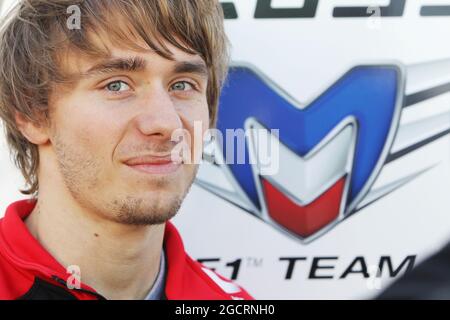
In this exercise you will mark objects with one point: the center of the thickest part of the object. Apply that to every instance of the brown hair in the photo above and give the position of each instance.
(35, 35)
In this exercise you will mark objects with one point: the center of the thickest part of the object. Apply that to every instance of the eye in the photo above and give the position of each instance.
(117, 86)
(182, 86)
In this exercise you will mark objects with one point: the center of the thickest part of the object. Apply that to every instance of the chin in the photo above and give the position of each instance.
(149, 209)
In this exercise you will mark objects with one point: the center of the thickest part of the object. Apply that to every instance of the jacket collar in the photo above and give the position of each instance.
(20, 247)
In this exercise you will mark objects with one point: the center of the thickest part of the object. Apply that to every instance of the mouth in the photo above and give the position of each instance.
(153, 165)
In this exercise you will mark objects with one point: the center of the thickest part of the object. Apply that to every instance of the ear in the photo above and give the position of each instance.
(31, 131)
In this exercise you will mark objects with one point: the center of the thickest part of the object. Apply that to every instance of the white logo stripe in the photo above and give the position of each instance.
(306, 178)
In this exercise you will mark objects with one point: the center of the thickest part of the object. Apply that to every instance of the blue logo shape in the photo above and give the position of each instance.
(372, 95)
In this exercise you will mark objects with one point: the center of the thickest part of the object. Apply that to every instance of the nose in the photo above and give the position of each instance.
(157, 115)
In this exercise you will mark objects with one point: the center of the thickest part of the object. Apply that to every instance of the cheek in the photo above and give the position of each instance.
(193, 110)
(195, 118)
(89, 129)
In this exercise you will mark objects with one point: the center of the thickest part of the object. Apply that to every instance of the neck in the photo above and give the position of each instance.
(119, 261)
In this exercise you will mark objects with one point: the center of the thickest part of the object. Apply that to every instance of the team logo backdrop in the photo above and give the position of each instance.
(358, 95)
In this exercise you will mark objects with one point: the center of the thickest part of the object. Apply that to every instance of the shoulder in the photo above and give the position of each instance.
(14, 282)
(187, 279)
(226, 288)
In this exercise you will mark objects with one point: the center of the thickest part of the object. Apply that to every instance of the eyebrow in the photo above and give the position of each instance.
(138, 64)
(134, 64)
(194, 67)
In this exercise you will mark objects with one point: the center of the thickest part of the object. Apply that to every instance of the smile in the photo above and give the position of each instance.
(154, 165)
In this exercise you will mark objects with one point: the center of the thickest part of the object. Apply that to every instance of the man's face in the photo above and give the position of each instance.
(111, 133)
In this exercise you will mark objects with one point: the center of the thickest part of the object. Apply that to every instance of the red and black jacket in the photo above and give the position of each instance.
(28, 271)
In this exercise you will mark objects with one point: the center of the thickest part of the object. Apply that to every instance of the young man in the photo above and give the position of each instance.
(91, 93)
